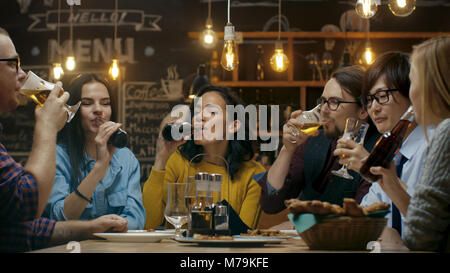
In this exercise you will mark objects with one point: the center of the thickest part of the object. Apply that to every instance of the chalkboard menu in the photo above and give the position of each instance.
(144, 105)
(18, 125)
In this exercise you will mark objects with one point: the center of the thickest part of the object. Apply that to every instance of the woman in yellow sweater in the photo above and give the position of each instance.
(212, 132)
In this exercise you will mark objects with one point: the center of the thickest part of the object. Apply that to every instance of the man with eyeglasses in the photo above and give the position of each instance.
(24, 190)
(385, 95)
(303, 169)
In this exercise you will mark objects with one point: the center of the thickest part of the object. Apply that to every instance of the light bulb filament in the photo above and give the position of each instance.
(401, 3)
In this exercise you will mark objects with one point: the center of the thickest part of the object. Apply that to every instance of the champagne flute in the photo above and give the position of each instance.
(311, 122)
(176, 211)
(355, 130)
(38, 90)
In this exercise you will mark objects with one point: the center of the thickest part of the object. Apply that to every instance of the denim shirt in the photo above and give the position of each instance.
(119, 192)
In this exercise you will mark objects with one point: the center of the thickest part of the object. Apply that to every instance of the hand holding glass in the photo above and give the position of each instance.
(38, 90)
(311, 122)
(355, 130)
(176, 211)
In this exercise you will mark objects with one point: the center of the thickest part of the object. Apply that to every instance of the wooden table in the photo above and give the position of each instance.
(390, 242)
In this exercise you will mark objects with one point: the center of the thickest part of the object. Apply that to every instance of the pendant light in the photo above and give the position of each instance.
(114, 70)
(230, 58)
(367, 8)
(208, 37)
(57, 70)
(70, 60)
(279, 61)
(402, 8)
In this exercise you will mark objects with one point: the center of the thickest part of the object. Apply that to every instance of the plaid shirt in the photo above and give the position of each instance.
(18, 204)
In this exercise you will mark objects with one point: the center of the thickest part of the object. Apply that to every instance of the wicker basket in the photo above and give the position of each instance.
(344, 233)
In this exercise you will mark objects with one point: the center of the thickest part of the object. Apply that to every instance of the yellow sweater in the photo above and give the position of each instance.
(244, 191)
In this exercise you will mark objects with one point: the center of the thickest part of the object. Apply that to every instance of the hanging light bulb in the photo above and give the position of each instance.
(402, 8)
(114, 69)
(366, 8)
(70, 63)
(368, 57)
(279, 61)
(230, 59)
(58, 71)
(208, 37)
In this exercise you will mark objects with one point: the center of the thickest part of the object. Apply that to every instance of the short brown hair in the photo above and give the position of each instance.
(350, 79)
(395, 67)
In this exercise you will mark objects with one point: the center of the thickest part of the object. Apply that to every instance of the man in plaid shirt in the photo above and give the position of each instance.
(24, 190)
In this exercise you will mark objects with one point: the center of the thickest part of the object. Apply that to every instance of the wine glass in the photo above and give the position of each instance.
(355, 130)
(38, 90)
(189, 194)
(176, 211)
(311, 122)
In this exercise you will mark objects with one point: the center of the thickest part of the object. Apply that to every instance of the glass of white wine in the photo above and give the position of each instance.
(355, 130)
(176, 211)
(38, 90)
(311, 122)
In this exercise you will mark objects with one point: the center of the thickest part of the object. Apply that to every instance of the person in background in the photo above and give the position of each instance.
(24, 189)
(172, 160)
(94, 178)
(428, 212)
(385, 96)
(303, 169)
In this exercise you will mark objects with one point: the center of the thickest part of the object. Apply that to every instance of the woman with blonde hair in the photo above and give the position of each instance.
(428, 214)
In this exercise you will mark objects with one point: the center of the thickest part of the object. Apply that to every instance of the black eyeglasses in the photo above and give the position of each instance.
(15, 59)
(381, 96)
(333, 103)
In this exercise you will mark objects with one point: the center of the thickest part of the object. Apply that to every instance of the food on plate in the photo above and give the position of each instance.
(350, 207)
(263, 232)
(211, 237)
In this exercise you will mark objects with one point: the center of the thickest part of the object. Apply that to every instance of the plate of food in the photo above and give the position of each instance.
(136, 236)
(228, 241)
(265, 233)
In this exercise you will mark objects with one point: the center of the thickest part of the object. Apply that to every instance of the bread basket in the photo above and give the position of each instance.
(344, 233)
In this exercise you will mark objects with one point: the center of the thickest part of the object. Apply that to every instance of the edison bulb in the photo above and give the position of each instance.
(58, 71)
(208, 37)
(230, 59)
(279, 61)
(368, 57)
(70, 63)
(114, 69)
(402, 8)
(366, 8)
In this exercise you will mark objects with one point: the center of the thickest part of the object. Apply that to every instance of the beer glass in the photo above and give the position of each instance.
(38, 90)
(311, 122)
(176, 211)
(355, 130)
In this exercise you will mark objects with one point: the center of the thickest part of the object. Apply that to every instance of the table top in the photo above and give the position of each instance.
(389, 242)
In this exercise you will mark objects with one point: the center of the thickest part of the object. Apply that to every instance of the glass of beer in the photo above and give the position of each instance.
(38, 90)
(311, 122)
(355, 130)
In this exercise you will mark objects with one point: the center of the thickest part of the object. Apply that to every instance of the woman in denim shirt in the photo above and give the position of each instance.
(94, 178)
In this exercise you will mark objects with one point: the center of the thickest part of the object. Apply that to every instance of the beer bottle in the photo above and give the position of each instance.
(119, 139)
(387, 146)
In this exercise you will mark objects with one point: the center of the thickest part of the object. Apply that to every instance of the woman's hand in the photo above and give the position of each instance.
(105, 151)
(290, 141)
(354, 154)
(165, 148)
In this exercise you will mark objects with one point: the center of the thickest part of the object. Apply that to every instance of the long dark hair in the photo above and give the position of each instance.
(72, 135)
(238, 151)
